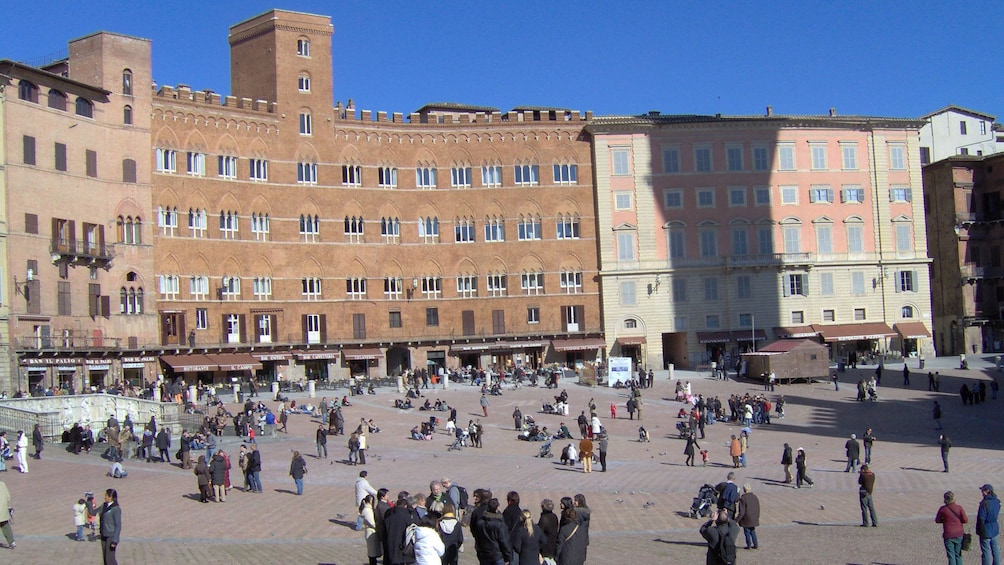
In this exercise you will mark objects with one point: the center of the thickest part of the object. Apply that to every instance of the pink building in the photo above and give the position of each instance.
(719, 232)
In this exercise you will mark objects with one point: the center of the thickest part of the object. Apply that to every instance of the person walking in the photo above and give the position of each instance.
(853, 450)
(952, 517)
(735, 450)
(937, 416)
(297, 469)
(946, 446)
(721, 533)
(866, 484)
(484, 404)
(38, 441)
(5, 517)
(517, 419)
(583, 422)
(111, 526)
(906, 375)
(691, 449)
(836, 381)
(21, 446)
(749, 516)
(603, 453)
(786, 461)
(986, 526)
(800, 474)
(868, 439)
(322, 441)
(254, 469)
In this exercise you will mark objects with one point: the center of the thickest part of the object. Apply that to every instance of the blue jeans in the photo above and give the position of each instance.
(750, 534)
(255, 479)
(990, 550)
(953, 549)
(299, 486)
(80, 533)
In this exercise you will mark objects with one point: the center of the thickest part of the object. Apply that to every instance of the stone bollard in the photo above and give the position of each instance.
(672, 371)
(311, 389)
(237, 391)
(275, 388)
(400, 384)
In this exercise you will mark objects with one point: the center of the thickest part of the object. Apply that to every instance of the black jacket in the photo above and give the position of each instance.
(571, 548)
(721, 542)
(297, 468)
(491, 539)
(396, 522)
(527, 545)
(254, 462)
(548, 522)
(512, 515)
(218, 469)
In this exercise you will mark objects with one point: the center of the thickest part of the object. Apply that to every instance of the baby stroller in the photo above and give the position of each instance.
(461, 441)
(548, 408)
(684, 428)
(545, 450)
(643, 435)
(706, 499)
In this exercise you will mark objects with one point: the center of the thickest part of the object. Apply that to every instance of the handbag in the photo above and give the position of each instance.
(967, 541)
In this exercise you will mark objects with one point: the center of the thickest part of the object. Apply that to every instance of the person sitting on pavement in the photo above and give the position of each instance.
(117, 472)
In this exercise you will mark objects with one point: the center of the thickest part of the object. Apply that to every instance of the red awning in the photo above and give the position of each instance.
(363, 353)
(578, 344)
(235, 361)
(854, 332)
(714, 337)
(632, 340)
(796, 332)
(194, 363)
(911, 330)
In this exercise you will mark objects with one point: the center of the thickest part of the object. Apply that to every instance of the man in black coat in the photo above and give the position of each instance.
(549, 523)
(396, 522)
(513, 514)
(382, 506)
(853, 454)
(491, 540)
(164, 445)
(721, 534)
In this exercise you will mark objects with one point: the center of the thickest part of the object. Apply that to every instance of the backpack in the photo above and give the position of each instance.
(726, 551)
(463, 497)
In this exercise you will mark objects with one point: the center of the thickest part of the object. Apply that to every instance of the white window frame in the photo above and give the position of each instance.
(826, 285)
(491, 176)
(303, 83)
(227, 166)
(260, 226)
(464, 231)
(786, 157)
(460, 177)
(497, 284)
(897, 157)
(352, 175)
(303, 47)
(626, 246)
(567, 226)
(387, 177)
(393, 288)
(262, 288)
(623, 200)
(306, 173)
(734, 157)
(620, 162)
(789, 194)
(311, 288)
(526, 175)
(570, 282)
(494, 230)
(852, 194)
(532, 283)
(258, 170)
(566, 173)
(737, 197)
(169, 286)
(310, 227)
(900, 194)
(425, 177)
(166, 161)
(820, 194)
(229, 224)
(672, 199)
(390, 229)
(849, 156)
(198, 223)
(202, 318)
(196, 164)
(230, 288)
(532, 315)
(629, 293)
(857, 283)
(818, 155)
(432, 287)
(703, 158)
(167, 219)
(198, 287)
(467, 286)
(528, 228)
(233, 328)
(428, 229)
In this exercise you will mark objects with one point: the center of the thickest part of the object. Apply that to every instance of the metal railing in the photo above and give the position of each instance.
(82, 249)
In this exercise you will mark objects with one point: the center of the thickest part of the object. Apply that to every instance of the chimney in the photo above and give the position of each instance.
(654, 113)
(833, 112)
(770, 111)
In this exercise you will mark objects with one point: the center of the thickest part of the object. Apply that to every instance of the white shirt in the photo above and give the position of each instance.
(363, 488)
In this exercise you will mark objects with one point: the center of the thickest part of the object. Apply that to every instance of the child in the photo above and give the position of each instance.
(704, 456)
(92, 514)
(80, 517)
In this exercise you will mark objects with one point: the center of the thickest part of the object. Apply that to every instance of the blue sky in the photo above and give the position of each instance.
(880, 58)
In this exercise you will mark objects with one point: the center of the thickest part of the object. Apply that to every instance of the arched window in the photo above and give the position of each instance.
(907, 312)
(127, 82)
(57, 100)
(127, 115)
(85, 108)
(120, 229)
(27, 91)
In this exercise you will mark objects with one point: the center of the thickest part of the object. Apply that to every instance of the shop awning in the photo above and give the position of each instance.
(578, 344)
(363, 353)
(748, 335)
(796, 332)
(194, 363)
(235, 361)
(855, 332)
(911, 330)
(474, 347)
(272, 356)
(714, 337)
(315, 355)
(632, 340)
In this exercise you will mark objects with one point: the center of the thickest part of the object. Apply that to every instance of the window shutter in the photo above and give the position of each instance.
(805, 285)
(785, 287)
(564, 319)
(257, 327)
(224, 330)
(915, 280)
(273, 325)
(580, 317)
(243, 327)
(324, 328)
(909, 194)
(303, 327)
(106, 306)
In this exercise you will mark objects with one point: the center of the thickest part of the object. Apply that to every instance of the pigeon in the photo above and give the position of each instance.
(620, 501)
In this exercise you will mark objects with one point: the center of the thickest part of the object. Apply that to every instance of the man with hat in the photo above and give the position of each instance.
(986, 526)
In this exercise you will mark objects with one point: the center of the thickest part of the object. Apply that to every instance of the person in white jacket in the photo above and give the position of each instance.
(363, 488)
(429, 547)
(22, 451)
